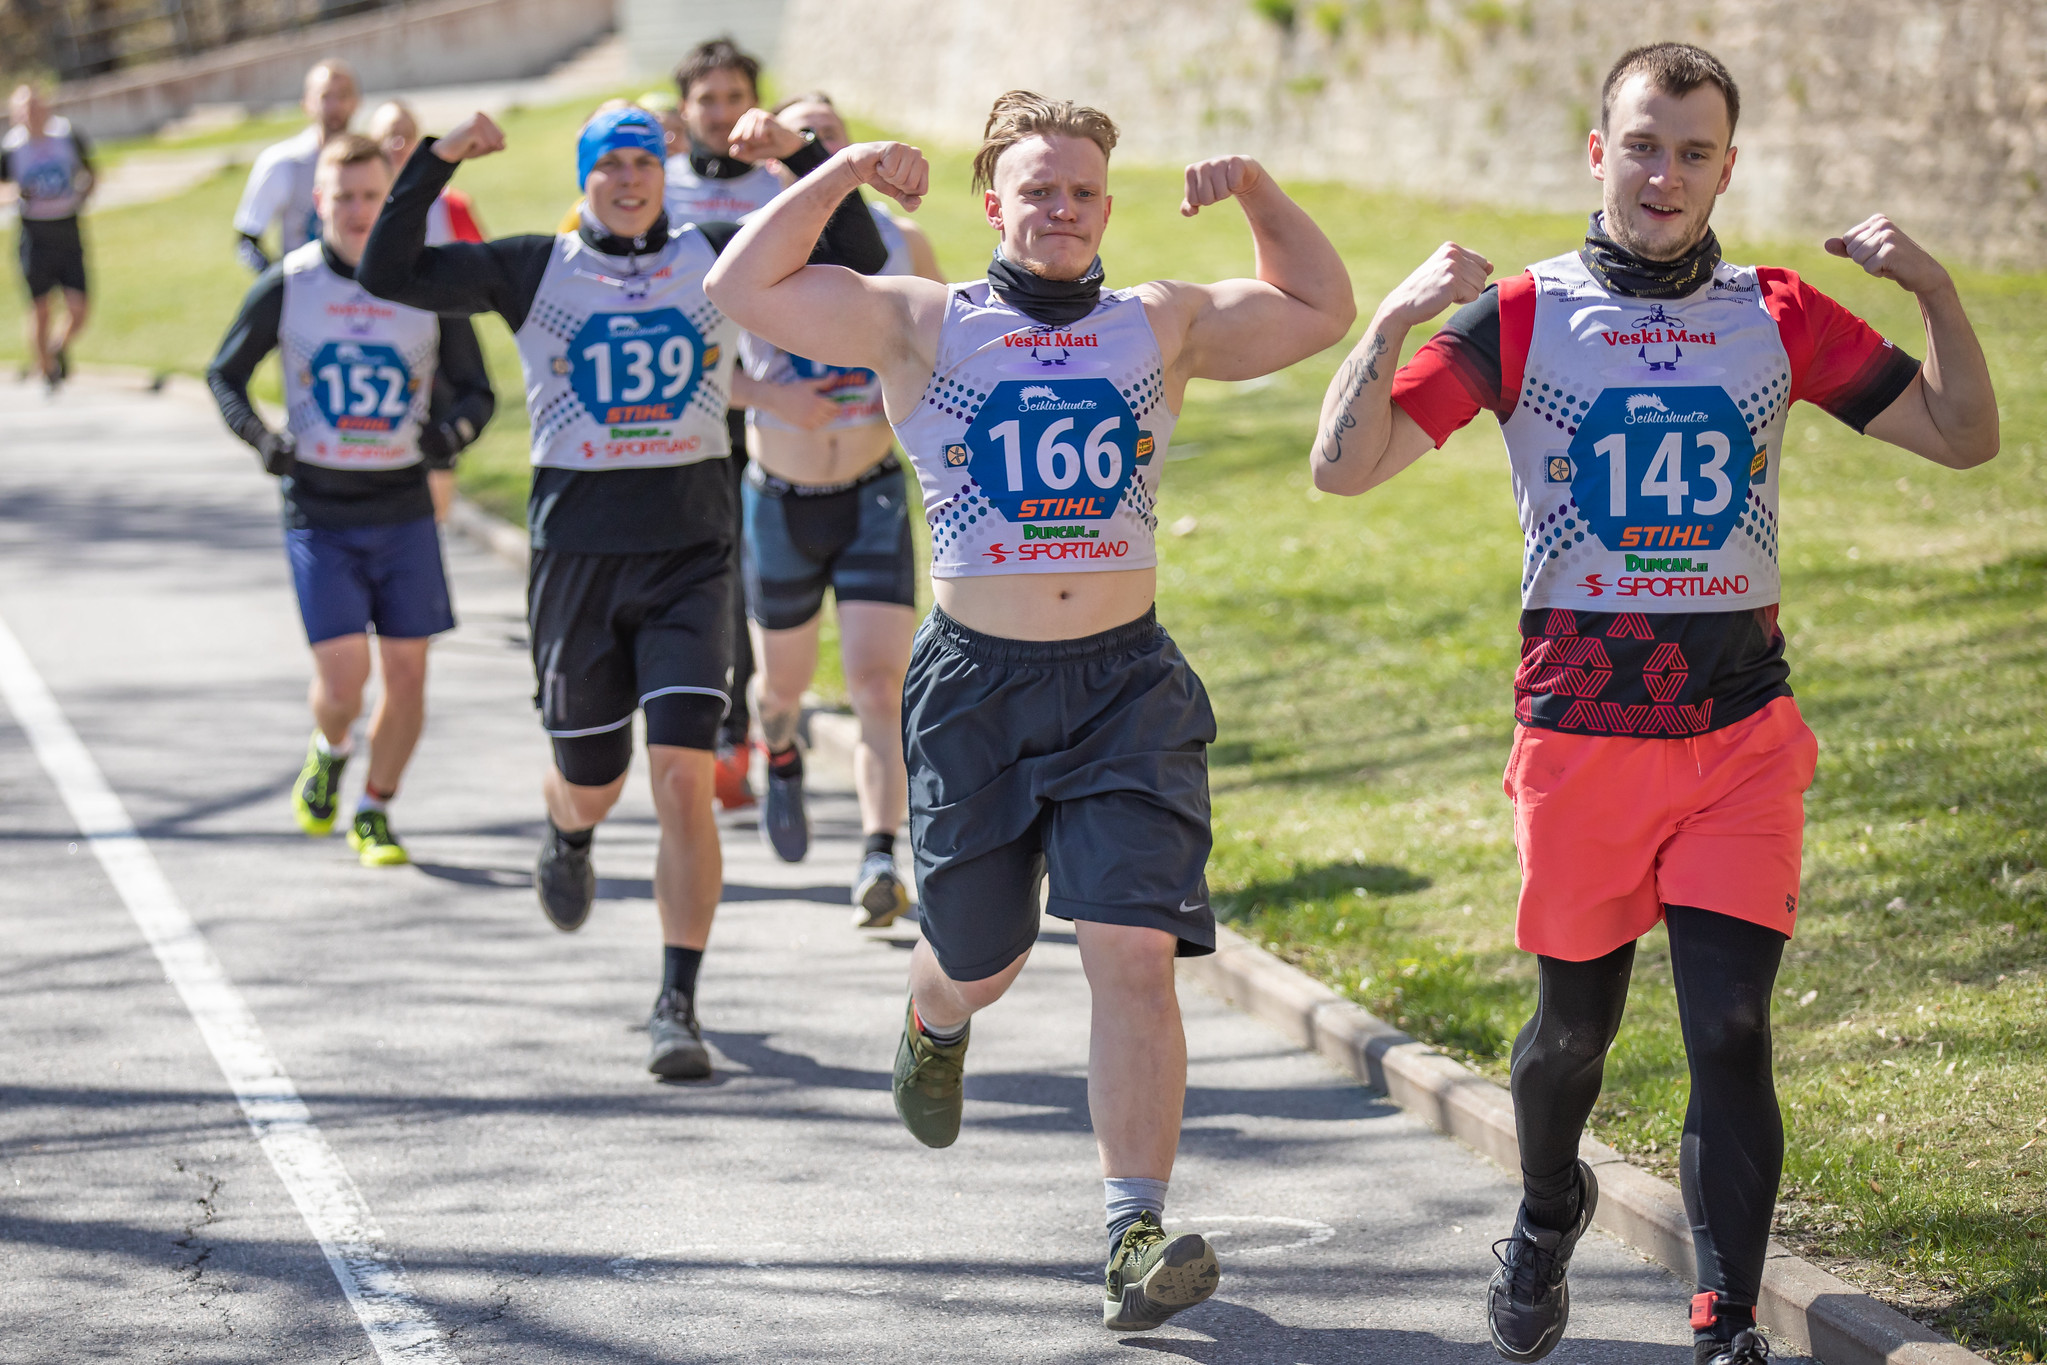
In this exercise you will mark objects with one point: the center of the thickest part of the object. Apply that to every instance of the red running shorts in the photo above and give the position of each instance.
(1610, 829)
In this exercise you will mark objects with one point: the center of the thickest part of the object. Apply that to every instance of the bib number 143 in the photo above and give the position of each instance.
(1664, 477)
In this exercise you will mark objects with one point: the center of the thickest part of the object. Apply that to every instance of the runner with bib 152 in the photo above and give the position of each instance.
(1659, 765)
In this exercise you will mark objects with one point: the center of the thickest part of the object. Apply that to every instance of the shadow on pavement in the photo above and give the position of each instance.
(632, 888)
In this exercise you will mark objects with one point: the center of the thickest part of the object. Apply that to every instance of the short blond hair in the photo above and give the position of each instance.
(350, 149)
(1025, 113)
(389, 117)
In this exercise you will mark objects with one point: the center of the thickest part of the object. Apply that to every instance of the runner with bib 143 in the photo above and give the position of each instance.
(1658, 772)
(1051, 727)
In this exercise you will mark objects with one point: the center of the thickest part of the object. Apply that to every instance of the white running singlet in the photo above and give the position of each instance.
(1039, 448)
(1646, 443)
(358, 371)
(627, 364)
(857, 391)
(692, 198)
(280, 188)
(46, 169)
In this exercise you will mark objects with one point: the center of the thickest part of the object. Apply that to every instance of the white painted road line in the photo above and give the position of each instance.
(401, 1331)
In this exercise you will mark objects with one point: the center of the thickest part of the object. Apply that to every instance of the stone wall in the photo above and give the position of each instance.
(1934, 111)
(438, 42)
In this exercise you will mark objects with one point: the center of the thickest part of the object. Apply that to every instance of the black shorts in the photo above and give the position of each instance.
(853, 537)
(613, 634)
(1085, 761)
(52, 255)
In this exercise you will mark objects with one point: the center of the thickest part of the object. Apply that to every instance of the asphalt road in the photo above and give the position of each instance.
(479, 1077)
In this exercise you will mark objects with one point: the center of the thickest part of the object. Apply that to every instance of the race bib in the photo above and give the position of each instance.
(1663, 467)
(638, 367)
(361, 387)
(1054, 449)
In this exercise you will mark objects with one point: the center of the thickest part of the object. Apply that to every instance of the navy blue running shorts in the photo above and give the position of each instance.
(1082, 761)
(800, 539)
(352, 578)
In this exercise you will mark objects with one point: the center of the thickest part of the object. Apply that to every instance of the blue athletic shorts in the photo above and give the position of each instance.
(350, 578)
(800, 539)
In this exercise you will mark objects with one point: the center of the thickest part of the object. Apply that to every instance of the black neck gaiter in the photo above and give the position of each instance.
(1623, 272)
(1056, 303)
(602, 239)
(715, 165)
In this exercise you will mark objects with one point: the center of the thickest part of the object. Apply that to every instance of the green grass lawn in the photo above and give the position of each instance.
(1360, 655)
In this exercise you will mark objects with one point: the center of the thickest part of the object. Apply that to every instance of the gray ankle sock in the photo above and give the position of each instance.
(1125, 1197)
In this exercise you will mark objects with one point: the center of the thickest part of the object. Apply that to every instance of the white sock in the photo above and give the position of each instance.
(342, 750)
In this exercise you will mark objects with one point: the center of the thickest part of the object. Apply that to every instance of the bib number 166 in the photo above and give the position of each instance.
(1056, 461)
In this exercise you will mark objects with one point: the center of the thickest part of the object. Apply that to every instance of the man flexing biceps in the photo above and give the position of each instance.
(1052, 728)
(1659, 764)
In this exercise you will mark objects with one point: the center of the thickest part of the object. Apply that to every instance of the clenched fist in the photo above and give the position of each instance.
(477, 135)
(897, 169)
(759, 137)
(1217, 179)
(1878, 246)
(1451, 275)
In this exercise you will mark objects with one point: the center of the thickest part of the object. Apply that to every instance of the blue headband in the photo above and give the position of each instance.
(609, 132)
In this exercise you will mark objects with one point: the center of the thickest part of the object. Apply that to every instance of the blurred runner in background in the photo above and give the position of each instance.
(280, 188)
(50, 165)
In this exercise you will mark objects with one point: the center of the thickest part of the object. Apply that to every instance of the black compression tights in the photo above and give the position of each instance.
(1733, 1149)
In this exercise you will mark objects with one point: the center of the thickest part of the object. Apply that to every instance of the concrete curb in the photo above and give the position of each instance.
(1803, 1306)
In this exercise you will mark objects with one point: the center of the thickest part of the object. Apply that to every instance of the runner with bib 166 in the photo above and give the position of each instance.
(1051, 727)
(1644, 387)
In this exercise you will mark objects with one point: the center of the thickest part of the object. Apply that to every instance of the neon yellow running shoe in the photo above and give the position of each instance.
(317, 792)
(369, 834)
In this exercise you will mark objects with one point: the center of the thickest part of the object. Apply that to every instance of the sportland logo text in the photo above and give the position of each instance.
(1039, 398)
(1647, 408)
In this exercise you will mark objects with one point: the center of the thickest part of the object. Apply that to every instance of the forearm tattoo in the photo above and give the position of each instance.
(1357, 372)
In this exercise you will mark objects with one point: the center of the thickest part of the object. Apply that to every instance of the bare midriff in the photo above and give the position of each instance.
(1048, 606)
(819, 457)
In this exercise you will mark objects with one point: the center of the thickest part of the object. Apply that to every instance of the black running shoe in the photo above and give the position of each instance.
(1529, 1300)
(784, 825)
(1748, 1348)
(675, 1042)
(565, 880)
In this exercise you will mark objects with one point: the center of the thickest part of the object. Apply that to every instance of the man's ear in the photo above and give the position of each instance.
(1595, 153)
(1727, 171)
(991, 205)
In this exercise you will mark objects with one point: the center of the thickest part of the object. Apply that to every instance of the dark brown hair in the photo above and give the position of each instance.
(1676, 69)
(719, 54)
(1024, 113)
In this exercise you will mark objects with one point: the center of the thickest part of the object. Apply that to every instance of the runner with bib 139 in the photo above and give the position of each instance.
(629, 593)
(1659, 766)
(1051, 727)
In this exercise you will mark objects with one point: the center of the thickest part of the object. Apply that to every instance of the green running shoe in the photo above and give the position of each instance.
(928, 1084)
(369, 834)
(1150, 1279)
(317, 792)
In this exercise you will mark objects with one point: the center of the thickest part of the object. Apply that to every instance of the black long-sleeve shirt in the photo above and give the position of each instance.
(611, 511)
(314, 495)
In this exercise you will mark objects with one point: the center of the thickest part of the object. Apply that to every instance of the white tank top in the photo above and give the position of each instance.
(1646, 444)
(627, 364)
(856, 391)
(358, 371)
(693, 198)
(46, 169)
(1039, 448)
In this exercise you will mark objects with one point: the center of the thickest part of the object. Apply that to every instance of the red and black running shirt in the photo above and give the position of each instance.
(1713, 668)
